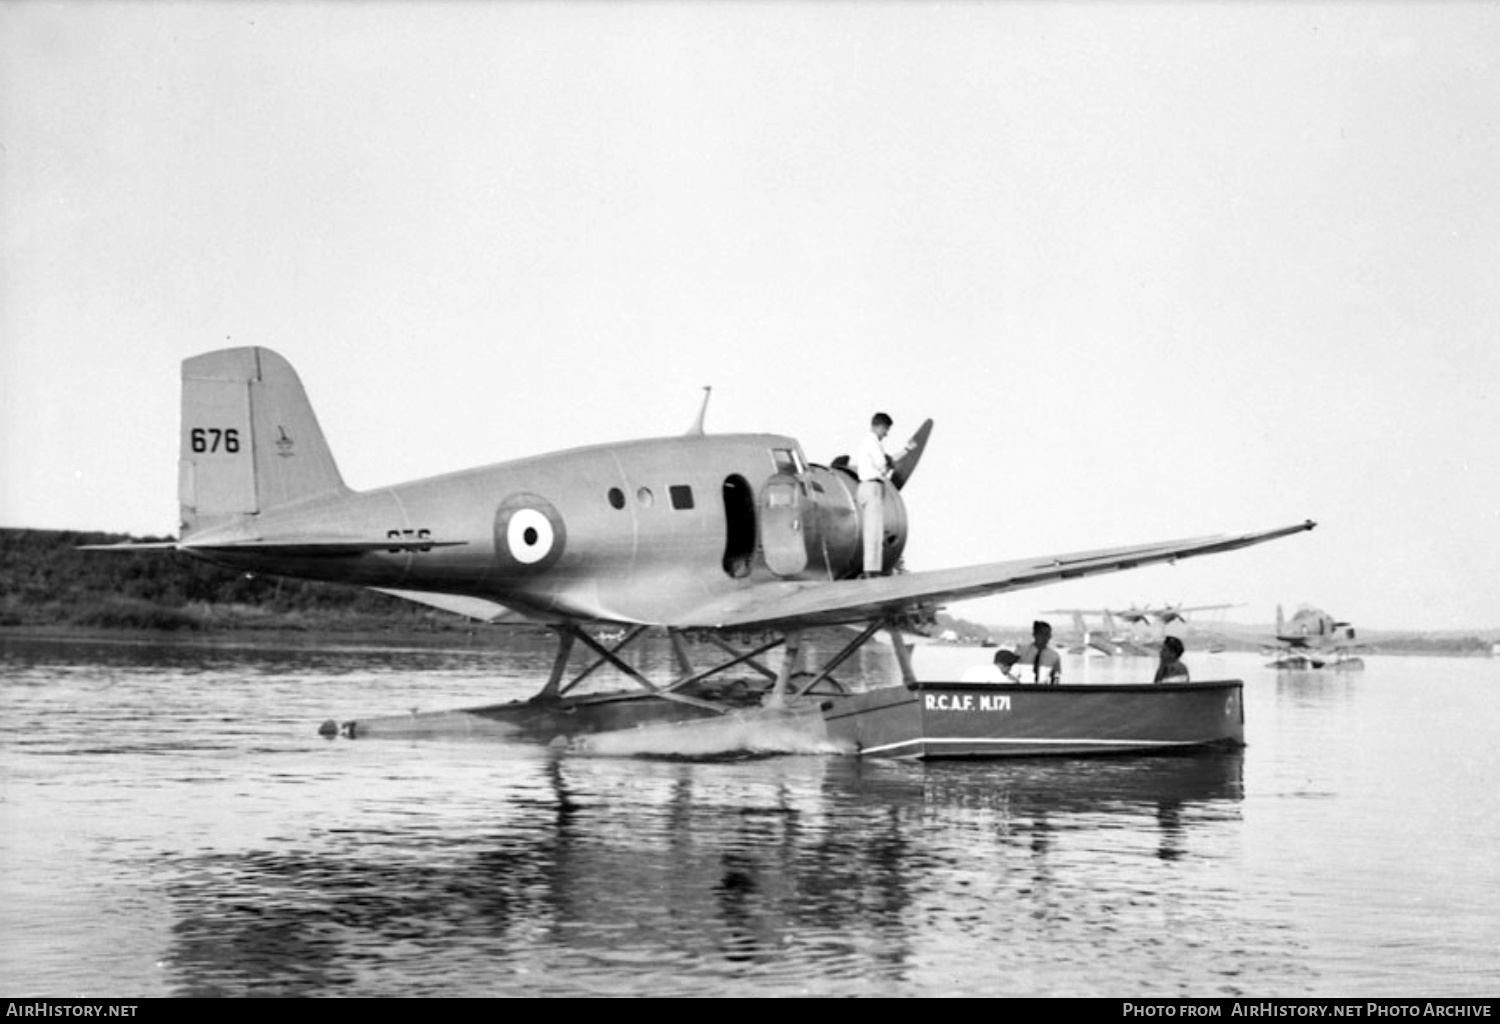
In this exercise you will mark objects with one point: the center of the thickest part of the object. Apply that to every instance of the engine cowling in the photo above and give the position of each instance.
(810, 525)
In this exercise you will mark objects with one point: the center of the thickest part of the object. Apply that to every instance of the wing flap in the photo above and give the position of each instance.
(811, 603)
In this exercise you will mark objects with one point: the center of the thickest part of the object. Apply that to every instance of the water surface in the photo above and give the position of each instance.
(172, 824)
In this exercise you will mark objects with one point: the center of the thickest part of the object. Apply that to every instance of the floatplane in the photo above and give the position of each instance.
(1142, 637)
(1314, 639)
(701, 537)
(1107, 640)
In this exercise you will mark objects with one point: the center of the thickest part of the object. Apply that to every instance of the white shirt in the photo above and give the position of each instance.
(869, 461)
(990, 673)
(1051, 662)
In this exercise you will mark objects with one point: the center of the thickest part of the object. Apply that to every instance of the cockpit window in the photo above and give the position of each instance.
(788, 461)
(682, 495)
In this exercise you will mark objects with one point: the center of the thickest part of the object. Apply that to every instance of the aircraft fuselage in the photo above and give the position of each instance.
(628, 532)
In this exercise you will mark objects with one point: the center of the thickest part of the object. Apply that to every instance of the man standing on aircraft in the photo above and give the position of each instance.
(1045, 662)
(874, 468)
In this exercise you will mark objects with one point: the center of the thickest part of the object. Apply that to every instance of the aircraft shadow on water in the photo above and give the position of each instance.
(710, 537)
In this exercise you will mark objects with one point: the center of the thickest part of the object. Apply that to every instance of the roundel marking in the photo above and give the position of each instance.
(529, 536)
(529, 533)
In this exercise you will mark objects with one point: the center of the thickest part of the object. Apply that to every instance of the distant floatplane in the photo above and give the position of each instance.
(1313, 639)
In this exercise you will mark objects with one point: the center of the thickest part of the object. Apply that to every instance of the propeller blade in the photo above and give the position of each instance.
(911, 455)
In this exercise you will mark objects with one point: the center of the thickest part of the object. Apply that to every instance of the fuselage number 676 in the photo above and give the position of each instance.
(213, 439)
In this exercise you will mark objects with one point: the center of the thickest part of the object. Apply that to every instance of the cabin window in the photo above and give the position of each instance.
(787, 461)
(616, 497)
(645, 497)
(682, 496)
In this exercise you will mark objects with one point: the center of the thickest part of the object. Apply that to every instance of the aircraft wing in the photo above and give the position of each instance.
(133, 545)
(461, 604)
(820, 603)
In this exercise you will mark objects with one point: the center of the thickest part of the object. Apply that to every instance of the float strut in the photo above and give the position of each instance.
(559, 664)
(789, 663)
(903, 655)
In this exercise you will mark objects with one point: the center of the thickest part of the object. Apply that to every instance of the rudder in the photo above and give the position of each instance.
(250, 440)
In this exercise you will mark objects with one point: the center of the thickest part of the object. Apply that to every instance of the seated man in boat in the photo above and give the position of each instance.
(1171, 669)
(1001, 670)
(1045, 662)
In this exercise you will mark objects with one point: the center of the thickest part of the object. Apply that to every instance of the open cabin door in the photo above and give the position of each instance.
(783, 533)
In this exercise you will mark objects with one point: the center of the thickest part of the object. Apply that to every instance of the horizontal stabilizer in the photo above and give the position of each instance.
(332, 547)
(306, 547)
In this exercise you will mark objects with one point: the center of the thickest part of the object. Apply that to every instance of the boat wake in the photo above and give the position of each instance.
(756, 731)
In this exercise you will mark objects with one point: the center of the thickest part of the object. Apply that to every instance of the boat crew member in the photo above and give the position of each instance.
(1171, 669)
(1045, 662)
(874, 468)
(1001, 670)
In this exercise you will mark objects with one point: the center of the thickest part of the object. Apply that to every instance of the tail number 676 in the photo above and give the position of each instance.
(213, 439)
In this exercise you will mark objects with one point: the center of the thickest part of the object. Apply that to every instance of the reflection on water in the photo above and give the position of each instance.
(173, 825)
(796, 875)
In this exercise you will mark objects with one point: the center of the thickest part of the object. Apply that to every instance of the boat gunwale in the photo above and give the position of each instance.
(907, 699)
(1207, 684)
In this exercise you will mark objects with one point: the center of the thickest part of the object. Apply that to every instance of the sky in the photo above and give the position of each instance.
(1155, 270)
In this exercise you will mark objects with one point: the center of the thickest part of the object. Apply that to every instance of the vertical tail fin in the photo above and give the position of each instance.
(250, 440)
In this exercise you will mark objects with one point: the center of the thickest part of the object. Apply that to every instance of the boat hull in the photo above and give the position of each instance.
(974, 720)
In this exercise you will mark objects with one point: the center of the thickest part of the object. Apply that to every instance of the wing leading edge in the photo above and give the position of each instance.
(826, 604)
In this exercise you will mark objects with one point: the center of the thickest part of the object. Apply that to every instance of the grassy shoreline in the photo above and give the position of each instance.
(50, 588)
